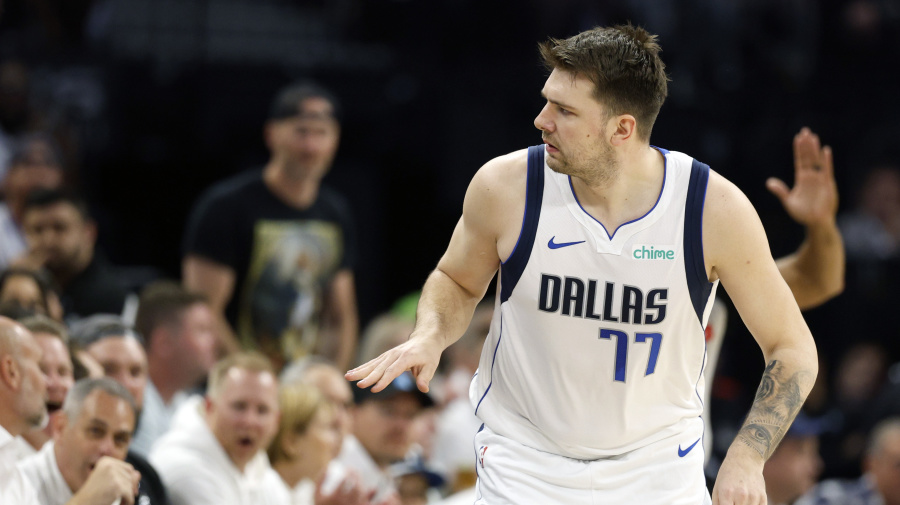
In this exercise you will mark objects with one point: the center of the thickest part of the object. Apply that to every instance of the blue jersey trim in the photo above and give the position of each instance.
(511, 270)
(694, 265)
(658, 197)
(493, 360)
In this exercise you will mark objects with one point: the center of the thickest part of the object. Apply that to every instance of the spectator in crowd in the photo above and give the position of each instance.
(118, 348)
(302, 451)
(795, 465)
(329, 380)
(61, 237)
(56, 364)
(179, 335)
(880, 484)
(119, 351)
(274, 250)
(382, 431)
(386, 331)
(215, 451)
(858, 382)
(84, 463)
(872, 228)
(31, 290)
(417, 484)
(23, 397)
(35, 163)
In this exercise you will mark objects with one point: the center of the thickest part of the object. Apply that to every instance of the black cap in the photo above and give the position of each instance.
(405, 383)
(289, 100)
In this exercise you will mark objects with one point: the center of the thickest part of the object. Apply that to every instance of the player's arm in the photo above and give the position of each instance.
(815, 272)
(736, 252)
(341, 317)
(215, 281)
(495, 199)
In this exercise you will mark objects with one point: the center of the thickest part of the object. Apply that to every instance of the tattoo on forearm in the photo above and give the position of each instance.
(777, 402)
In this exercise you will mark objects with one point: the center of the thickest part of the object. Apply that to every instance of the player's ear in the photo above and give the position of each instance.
(623, 127)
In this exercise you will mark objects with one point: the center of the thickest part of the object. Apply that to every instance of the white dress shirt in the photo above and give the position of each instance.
(43, 472)
(15, 488)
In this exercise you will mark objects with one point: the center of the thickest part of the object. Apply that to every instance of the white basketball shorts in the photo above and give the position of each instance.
(667, 472)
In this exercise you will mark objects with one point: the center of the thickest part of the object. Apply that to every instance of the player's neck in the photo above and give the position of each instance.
(297, 192)
(630, 194)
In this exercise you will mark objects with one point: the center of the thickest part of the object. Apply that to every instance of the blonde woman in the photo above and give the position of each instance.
(308, 439)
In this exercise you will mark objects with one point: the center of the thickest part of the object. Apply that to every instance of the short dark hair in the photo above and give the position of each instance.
(44, 284)
(163, 302)
(286, 103)
(41, 198)
(623, 63)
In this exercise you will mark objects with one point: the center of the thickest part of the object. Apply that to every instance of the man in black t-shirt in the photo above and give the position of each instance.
(273, 250)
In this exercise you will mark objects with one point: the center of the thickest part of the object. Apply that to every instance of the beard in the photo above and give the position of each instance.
(598, 168)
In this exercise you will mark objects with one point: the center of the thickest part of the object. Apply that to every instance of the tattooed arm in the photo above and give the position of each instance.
(737, 253)
(777, 402)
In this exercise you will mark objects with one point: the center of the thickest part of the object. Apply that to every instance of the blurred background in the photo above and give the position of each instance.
(155, 100)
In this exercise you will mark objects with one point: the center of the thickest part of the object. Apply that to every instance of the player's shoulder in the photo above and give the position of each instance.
(724, 197)
(502, 173)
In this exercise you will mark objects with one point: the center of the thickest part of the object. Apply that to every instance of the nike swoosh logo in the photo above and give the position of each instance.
(553, 245)
(683, 452)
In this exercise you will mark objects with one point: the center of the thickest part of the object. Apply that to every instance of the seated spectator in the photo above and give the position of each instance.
(35, 163)
(794, 467)
(382, 431)
(61, 237)
(179, 335)
(417, 484)
(307, 441)
(56, 364)
(215, 451)
(871, 229)
(329, 380)
(84, 463)
(858, 381)
(118, 348)
(385, 332)
(119, 351)
(23, 397)
(31, 290)
(880, 485)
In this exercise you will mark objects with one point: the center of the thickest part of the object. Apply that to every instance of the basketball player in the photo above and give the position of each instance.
(610, 251)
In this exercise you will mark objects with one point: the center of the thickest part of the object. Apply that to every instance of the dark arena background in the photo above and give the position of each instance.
(155, 100)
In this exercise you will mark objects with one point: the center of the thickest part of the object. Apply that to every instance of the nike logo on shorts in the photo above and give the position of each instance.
(553, 245)
(683, 452)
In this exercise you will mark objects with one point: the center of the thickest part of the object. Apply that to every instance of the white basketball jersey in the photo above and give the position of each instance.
(596, 346)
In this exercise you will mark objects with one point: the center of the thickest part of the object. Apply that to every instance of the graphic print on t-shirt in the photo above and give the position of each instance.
(290, 264)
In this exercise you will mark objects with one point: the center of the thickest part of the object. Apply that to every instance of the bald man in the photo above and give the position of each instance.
(23, 405)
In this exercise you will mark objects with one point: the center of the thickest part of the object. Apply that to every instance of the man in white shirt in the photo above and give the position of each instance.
(179, 335)
(214, 454)
(23, 406)
(84, 463)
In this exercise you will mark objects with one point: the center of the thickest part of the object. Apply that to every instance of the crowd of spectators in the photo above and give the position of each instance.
(220, 260)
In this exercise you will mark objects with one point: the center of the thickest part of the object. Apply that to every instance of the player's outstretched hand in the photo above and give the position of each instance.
(740, 480)
(420, 355)
(814, 197)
